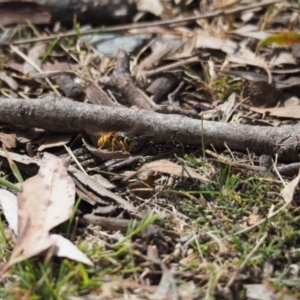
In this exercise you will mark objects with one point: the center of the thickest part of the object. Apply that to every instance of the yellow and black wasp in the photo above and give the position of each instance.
(122, 141)
(117, 141)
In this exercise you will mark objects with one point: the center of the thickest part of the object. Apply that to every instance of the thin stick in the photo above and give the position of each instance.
(75, 159)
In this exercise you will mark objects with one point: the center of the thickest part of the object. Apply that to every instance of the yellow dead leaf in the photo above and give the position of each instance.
(282, 112)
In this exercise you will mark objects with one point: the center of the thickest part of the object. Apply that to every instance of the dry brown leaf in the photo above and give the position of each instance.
(251, 31)
(8, 140)
(246, 57)
(235, 53)
(292, 111)
(29, 135)
(165, 166)
(55, 140)
(9, 81)
(15, 66)
(34, 55)
(45, 201)
(259, 35)
(205, 41)
(103, 181)
(100, 190)
(63, 247)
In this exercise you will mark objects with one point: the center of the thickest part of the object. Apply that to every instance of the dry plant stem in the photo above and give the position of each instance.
(62, 115)
(215, 13)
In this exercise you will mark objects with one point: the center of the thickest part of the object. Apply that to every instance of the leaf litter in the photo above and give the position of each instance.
(220, 224)
(44, 201)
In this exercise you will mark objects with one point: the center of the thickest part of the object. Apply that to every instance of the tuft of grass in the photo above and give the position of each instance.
(225, 86)
(50, 280)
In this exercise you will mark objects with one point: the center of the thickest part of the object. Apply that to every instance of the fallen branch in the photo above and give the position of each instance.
(63, 115)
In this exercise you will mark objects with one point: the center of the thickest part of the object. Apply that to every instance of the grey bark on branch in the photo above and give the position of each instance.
(62, 115)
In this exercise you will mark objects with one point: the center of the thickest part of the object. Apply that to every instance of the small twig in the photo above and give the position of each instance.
(172, 95)
(75, 159)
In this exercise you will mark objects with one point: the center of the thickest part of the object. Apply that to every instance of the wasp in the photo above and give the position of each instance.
(117, 141)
